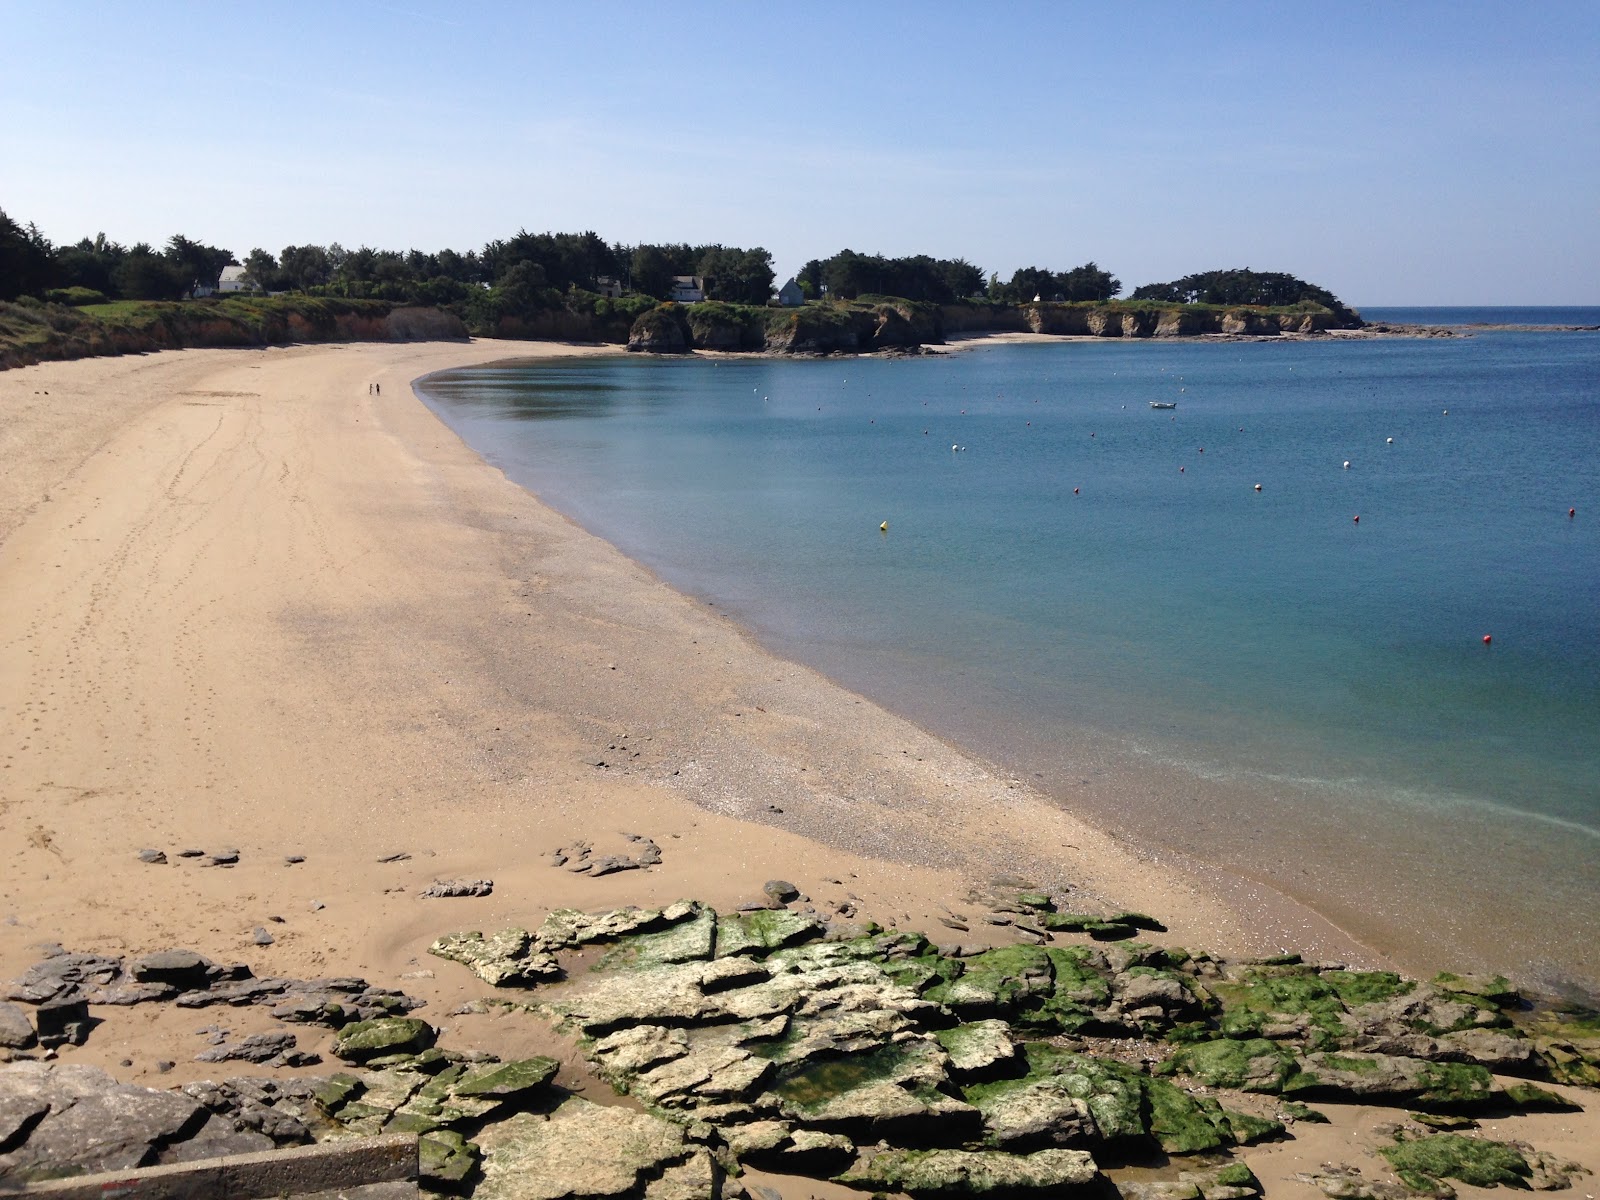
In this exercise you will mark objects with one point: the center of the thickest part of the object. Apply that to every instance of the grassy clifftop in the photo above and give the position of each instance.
(32, 331)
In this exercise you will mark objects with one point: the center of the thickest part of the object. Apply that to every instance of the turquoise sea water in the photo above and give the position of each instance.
(1094, 593)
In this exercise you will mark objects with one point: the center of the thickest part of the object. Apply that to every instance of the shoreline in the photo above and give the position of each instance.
(812, 749)
(253, 606)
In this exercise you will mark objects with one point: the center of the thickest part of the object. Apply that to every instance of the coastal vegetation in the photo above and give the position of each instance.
(97, 296)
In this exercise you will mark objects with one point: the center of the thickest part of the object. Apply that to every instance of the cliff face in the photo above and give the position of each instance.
(1095, 321)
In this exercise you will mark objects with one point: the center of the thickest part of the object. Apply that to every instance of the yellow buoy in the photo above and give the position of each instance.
(884, 527)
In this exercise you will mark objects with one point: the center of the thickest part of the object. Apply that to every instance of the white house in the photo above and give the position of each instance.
(608, 287)
(790, 295)
(688, 289)
(234, 280)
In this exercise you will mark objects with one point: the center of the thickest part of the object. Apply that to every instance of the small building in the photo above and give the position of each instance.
(790, 295)
(688, 289)
(234, 280)
(608, 287)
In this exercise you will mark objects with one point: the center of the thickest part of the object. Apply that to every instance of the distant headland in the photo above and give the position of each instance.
(99, 297)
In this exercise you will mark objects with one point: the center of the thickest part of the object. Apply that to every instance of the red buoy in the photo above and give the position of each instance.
(1357, 518)
(1572, 512)
(1487, 639)
(1180, 470)
(1074, 491)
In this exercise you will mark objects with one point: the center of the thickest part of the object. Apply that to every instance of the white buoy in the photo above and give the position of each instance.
(1390, 441)
(1347, 464)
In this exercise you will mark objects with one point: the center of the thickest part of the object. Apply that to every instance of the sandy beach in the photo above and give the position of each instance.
(265, 601)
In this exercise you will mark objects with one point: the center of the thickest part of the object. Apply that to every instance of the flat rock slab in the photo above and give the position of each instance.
(973, 1172)
(580, 1150)
(94, 1123)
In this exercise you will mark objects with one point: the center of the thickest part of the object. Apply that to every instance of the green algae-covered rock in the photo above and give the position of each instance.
(364, 1041)
(972, 1172)
(756, 933)
(334, 1092)
(1449, 1087)
(445, 1159)
(1252, 1065)
(1099, 928)
(501, 1081)
(897, 1086)
(688, 940)
(1061, 1086)
(998, 981)
(1476, 1161)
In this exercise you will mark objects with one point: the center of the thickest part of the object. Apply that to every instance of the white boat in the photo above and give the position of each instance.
(1163, 404)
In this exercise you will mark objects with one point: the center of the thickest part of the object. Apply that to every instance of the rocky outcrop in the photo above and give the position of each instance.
(768, 1038)
(663, 330)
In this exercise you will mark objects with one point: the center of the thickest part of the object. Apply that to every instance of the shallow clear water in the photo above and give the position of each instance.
(1301, 696)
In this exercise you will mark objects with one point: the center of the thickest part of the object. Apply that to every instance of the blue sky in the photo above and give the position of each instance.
(1394, 153)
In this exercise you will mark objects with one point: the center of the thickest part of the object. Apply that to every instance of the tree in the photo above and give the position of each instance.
(27, 260)
(261, 269)
(146, 275)
(737, 276)
(197, 264)
(652, 271)
(1241, 285)
(303, 267)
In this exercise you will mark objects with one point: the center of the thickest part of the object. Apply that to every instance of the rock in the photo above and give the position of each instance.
(381, 1037)
(275, 1048)
(16, 1031)
(508, 959)
(216, 1138)
(261, 937)
(1421, 1163)
(223, 858)
(1445, 1086)
(184, 969)
(502, 1081)
(63, 1020)
(65, 973)
(18, 1115)
(1043, 1113)
(627, 1052)
(758, 932)
(456, 887)
(124, 994)
(290, 860)
(397, 856)
(971, 1172)
(581, 1149)
(876, 1093)
(780, 891)
(662, 330)
(445, 1158)
(610, 864)
(978, 1046)
(94, 1123)
(1252, 1065)
(154, 857)
(191, 853)
(565, 927)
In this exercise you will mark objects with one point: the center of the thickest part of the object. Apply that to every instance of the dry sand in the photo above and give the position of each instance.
(247, 604)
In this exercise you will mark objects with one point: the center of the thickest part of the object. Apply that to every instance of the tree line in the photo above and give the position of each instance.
(532, 272)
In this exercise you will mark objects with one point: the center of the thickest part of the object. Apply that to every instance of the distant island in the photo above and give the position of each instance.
(99, 297)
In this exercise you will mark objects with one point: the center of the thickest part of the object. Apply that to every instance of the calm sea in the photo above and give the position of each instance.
(1096, 594)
